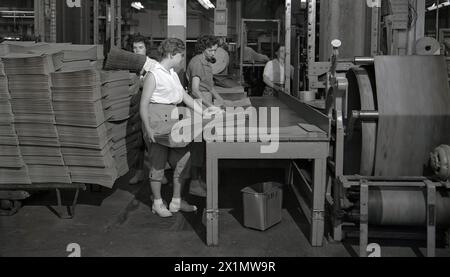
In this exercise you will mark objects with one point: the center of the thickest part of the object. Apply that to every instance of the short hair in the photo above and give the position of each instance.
(139, 38)
(277, 46)
(171, 46)
(205, 42)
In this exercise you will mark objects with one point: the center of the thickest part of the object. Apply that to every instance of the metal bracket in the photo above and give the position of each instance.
(212, 214)
(360, 115)
(69, 212)
(318, 215)
(431, 218)
(364, 218)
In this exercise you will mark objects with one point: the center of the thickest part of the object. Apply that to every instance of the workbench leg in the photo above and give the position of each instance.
(287, 174)
(364, 219)
(318, 211)
(447, 239)
(212, 205)
(431, 219)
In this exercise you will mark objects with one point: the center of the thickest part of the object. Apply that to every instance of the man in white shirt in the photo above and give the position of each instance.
(273, 75)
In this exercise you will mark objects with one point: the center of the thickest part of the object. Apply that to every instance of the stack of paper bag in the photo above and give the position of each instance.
(12, 167)
(79, 57)
(119, 89)
(34, 119)
(82, 129)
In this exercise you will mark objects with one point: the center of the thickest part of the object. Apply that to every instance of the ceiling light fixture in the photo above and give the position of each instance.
(206, 4)
(137, 5)
(435, 7)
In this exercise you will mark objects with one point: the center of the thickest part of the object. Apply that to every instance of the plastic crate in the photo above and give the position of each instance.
(262, 205)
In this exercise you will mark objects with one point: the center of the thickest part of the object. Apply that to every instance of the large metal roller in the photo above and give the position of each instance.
(412, 98)
(359, 156)
(405, 207)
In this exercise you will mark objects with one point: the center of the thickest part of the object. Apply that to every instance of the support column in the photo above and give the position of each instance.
(364, 219)
(375, 29)
(287, 63)
(119, 23)
(112, 35)
(52, 20)
(177, 21)
(39, 19)
(221, 19)
(420, 23)
(96, 22)
(312, 9)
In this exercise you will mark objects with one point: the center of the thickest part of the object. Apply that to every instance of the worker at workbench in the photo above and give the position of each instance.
(140, 48)
(273, 75)
(199, 71)
(201, 85)
(161, 94)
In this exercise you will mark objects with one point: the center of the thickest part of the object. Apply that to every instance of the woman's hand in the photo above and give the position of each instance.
(213, 110)
(228, 103)
(151, 134)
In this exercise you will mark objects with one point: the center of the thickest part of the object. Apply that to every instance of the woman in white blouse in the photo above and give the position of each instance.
(162, 92)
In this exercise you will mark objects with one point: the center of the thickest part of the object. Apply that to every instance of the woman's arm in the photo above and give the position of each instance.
(147, 92)
(197, 93)
(216, 95)
(190, 102)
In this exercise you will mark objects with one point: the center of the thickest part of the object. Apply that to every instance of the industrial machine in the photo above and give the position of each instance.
(387, 96)
(388, 114)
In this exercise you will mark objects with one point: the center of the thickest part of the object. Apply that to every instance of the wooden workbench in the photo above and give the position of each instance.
(304, 134)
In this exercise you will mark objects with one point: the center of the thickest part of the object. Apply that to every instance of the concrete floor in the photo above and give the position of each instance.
(119, 222)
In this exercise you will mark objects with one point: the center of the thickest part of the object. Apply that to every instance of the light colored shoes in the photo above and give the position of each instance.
(161, 210)
(182, 206)
(197, 188)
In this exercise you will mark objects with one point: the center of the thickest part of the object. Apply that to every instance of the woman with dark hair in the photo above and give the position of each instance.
(199, 71)
(161, 94)
(273, 75)
(201, 85)
(140, 45)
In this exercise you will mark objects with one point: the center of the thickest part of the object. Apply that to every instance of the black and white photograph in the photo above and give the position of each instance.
(225, 135)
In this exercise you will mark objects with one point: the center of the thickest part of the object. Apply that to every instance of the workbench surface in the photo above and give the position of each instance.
(292, 126)
(304, 134)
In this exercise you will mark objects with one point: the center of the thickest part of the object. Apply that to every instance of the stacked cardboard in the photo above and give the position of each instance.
(63, 121)
(120, 93)
(29, 89)
(12, 167)
(79, 57)
(83, 133)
